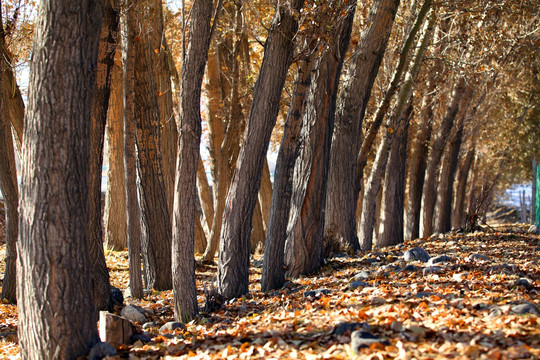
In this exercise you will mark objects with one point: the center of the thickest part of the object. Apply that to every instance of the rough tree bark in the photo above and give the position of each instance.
(114, 220)
(340, 219)
(193, 64)
(107, 47)
(154, 205)
(304, 244)
(8, 177)
(133, 221)
(57, 318)
(273, 272)
(233, 259)
(437, 148)
(391, 226)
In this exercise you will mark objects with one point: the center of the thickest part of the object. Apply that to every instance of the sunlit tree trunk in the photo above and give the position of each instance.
(265, 195)
(107, 47)
(340, 219)
(114, 222)
(304, 245)
(273, 273)
(205, 195)
(193, 64)
(233, 259)
(430, 182)
(57, 317)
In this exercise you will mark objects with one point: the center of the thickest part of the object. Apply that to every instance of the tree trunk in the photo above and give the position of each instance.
(13, 105)
(533, 191)
(107, 47)
(340, 221)
(437, 148)
(115, 223)
(273, 272)
(205, 196)
(8, 177)
(57, 318)
(458, 209)
(130, 155)
(395, 118)
(265, 195)
(304, 245)
(257, 232)
(193, 64)
(445, 189)
(391, 90)
(417, 166)
(225, 137)
(233, 259)
(157, 243)
(391, 226)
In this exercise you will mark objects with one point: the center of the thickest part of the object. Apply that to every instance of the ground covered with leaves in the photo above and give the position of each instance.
(480, 301)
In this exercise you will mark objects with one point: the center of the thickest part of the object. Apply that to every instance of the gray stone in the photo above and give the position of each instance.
(148, 325)
(411, 268)
(362, 275)
(416, 254)
(361, 339)
(478, 257)
(114, 329)
(495, 311)
(316, 293)
(533, 229)
(346, 327)
(357, 284)
(440, 259)
(101, 350)
(523, 309)
(432, 270)
(171, 326)
(503, 268)
(141, 337)
(525, 283)
(133, 314)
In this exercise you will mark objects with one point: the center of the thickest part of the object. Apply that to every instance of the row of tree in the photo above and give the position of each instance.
(395, 121)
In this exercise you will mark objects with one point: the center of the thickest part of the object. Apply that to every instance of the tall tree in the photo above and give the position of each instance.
(340, 218)
(392, 123)
(437, 148)
(107, 46)
(304, 245)
(133, 222)
(8, 176)
(154, 206)
(393, 194)
(417, 165)
(57, 318)
(233, 259)
(273, 273)
(449, 164)
(114, 218)
(193, 64)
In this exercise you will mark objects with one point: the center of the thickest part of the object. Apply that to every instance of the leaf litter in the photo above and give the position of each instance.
(483, 304)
